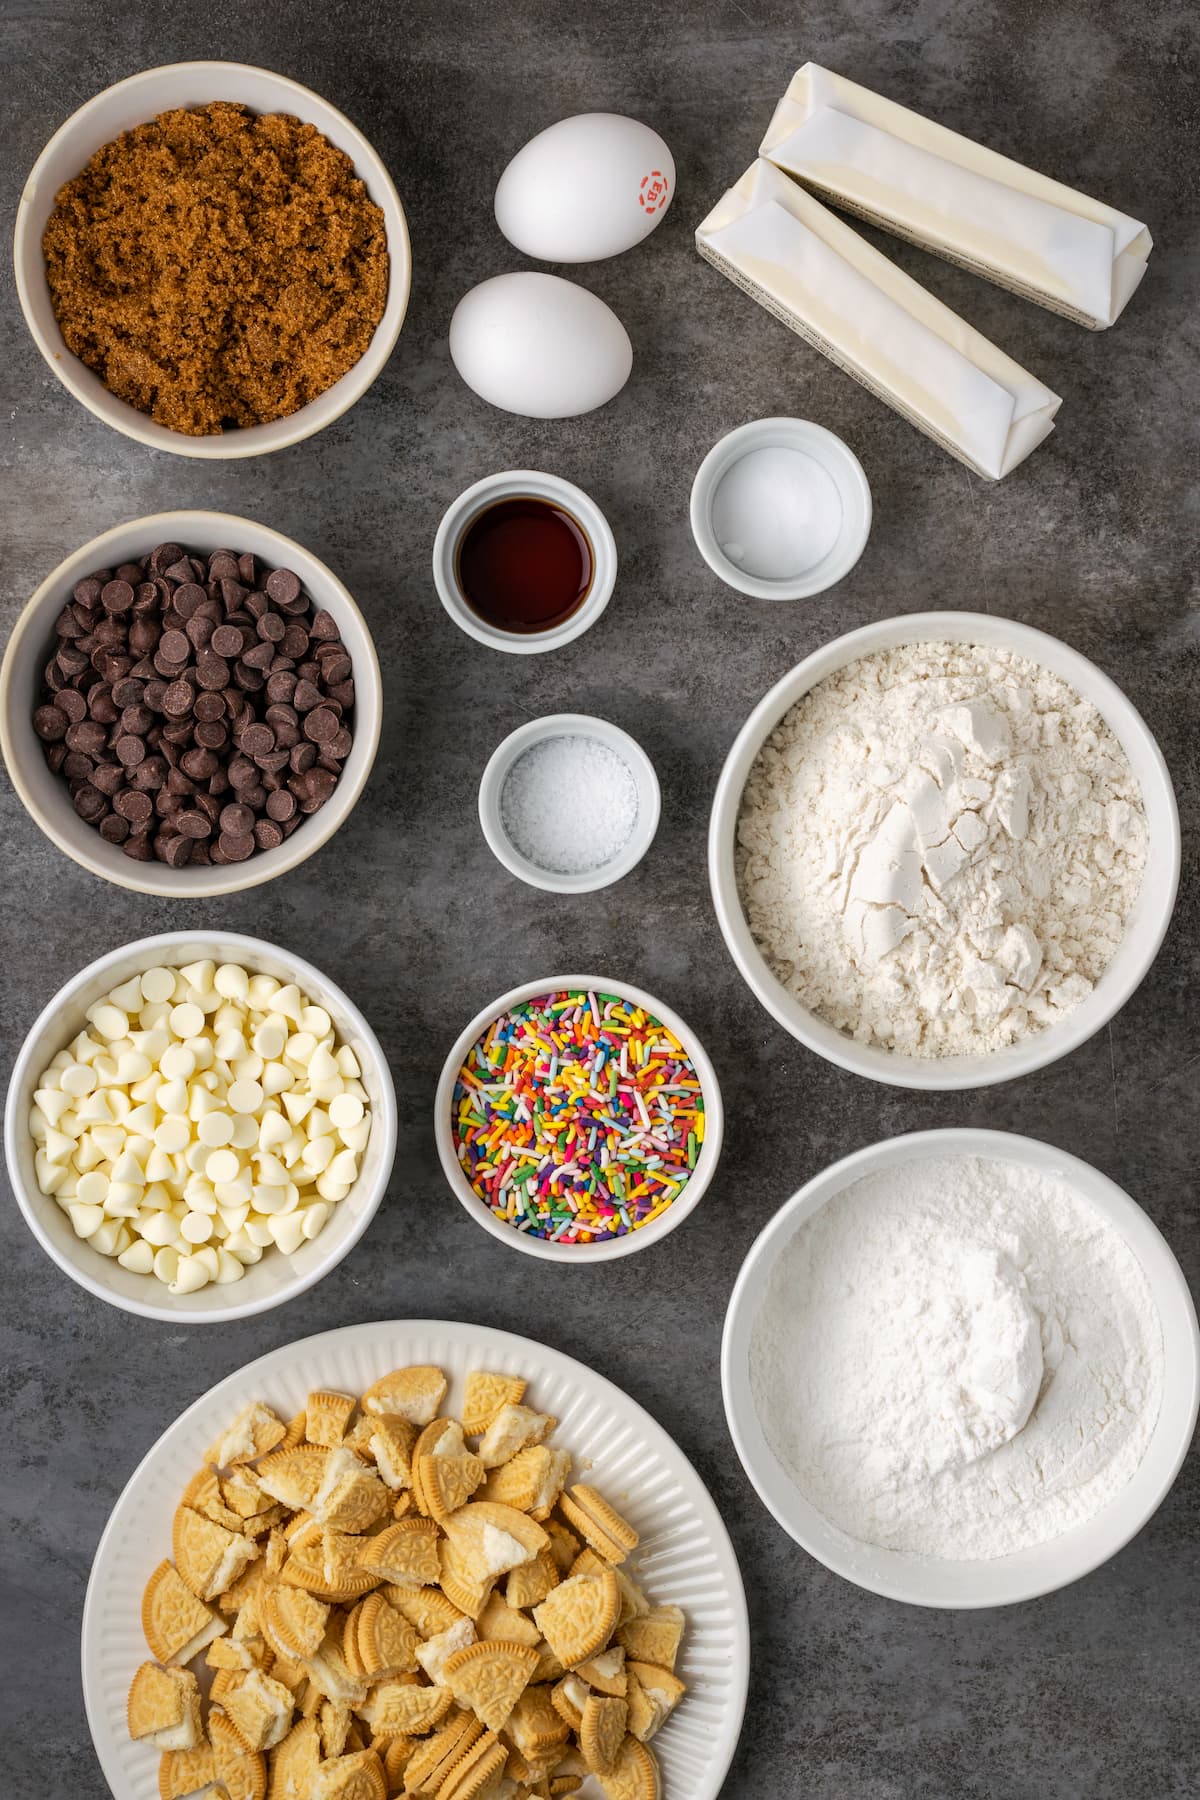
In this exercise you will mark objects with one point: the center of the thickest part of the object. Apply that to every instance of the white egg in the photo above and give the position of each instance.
(585, 188)
(538, 345)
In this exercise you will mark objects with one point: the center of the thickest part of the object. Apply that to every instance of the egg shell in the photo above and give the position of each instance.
(586, 188)
(538, 345)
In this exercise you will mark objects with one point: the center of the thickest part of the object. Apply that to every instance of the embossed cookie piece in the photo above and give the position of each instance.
(185, 1772)
(535, 1725)
(569, 1696)
(164, 1706)
(445, 1472)
(606, 1672)
(602, 1731)
(513, 1429)
(531, 1481)
(414, 1393)
(435, 1652)
(242, 1773)
(431, 1762)
(599, 1524)
(500, 1620)
(491, 1539)
(654, 1636)
(401, 1707)
(251, 1433)
(208, 1557)
(529, 1585)
(261, 1710)
(293, 1620)
(485, 1395)
(391, 1442)
(425, 1608)
(326, 1417)
(293, 1476)
(488, 1678)
(477, 1772)
(653, 1694)
(358, 1776)
(387, 1642)
(293, 1764)
(633, 1774)
(404, 1553)
(177, 1626)
(578, 1617)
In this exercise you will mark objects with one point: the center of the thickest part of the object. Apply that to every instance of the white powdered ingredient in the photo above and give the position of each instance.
(957, 1358)
(939, 848)
(569, 804)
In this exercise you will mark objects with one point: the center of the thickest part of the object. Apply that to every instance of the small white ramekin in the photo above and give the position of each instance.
(136, 101)
(276, 1278)
(581, 1254)
(512, 484)
(537, 731)
(1021, 1575)
(45, 796)
(832, 458)
(1144, 931)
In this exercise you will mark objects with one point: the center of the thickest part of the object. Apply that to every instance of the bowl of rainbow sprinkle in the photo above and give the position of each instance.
(578, 1120)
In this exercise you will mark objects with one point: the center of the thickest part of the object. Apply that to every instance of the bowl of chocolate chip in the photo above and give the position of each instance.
(190, 705)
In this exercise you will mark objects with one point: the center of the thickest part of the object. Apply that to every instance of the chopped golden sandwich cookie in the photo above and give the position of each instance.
(654, 1637)
(653, 1693)
(358, 1776)
(431, 1762)
(350, 1496)
(535, 1724)
(476, 1773)
(396, 1759)
(242, 1773)
(177, 1626)
(578, 1617)
(325, 1562)
(293, 1476)
(203, 1494)
(293, 1764)
(405, 1553)
(490, 1539)
(425, 1608)
(326, 1417)
(208, 1557)
(602, 1731)
(489, 1677)
(387, 1642)
(500, 1620)
(531, 1481)
(513, 1428)
(435, 1652)
(529, 1585)
(484, 1396)
(334, 1722)
(564, 1545)
(599, 1524)
(633, 1774)
(606, 1672)
(414, 1393)
(294, 1620)
(390, 1443)
(468, 1591)
(254, 1431)
(569, 1697)
(184, 1772)
(403, 1708)
(261, 1710)
(164, 1706)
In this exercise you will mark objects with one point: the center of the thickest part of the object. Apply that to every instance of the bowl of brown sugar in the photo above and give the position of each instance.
(212, 259)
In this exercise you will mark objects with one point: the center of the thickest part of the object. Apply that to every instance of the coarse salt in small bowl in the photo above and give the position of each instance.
(596, 990)
(277, 1277)
(558, 784)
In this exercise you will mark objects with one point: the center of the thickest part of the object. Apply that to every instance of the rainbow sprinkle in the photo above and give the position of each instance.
(578, 1117)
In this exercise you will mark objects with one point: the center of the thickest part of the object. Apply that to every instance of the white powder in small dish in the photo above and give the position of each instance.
(569, 804)
(939, 847)
(957, 1358)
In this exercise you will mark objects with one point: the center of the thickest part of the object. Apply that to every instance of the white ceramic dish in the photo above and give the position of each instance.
(276, 1278)
(135, 101)
(45, 796)
(537, 731)
(684, 1558)
(578, 1255)
(512, 484)
(1000, 1581)
(1143, 934)
(828, 507)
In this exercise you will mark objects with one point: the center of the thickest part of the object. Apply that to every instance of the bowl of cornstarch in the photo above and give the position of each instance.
(569, 803)
(944, 850)
(578, 1119)
(961, 1368)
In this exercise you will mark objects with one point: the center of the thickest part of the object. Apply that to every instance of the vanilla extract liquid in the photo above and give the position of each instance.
(524, 564)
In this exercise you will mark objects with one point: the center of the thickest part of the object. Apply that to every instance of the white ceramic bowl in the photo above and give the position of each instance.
(1022, 1575)
(45, 795)
(511, 484)
(1143, 934)
(537, 731)
(836, 497)
(136, 101)
(276, 1277)
(582, 1254)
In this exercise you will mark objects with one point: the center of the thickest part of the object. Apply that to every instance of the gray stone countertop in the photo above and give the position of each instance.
(1088, 1693)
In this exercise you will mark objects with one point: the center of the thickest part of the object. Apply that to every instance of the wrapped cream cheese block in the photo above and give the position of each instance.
(817, 274)
(956, 198)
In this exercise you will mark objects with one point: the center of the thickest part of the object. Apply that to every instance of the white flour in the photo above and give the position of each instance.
(939, 847)
(957, 1358)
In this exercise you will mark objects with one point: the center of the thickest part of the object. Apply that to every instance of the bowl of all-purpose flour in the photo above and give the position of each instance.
(944, 850)
(961, 1368)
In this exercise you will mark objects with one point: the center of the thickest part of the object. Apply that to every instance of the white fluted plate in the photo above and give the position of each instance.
(685, 1556)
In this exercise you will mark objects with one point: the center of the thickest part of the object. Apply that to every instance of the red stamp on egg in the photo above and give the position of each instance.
(653, 191)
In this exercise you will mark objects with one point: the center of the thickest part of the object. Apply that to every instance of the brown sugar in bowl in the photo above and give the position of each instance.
(135, 102)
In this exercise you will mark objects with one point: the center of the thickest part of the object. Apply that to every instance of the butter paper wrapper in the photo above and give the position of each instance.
(834, 289)
(966, 203)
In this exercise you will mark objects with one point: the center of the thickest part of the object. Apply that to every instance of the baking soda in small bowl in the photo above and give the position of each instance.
(569, 804)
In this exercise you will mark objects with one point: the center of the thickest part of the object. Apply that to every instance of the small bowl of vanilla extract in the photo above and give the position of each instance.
(524, 562)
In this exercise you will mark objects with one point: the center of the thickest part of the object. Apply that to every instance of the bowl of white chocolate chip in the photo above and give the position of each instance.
(944, 850)
(199, 1126)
